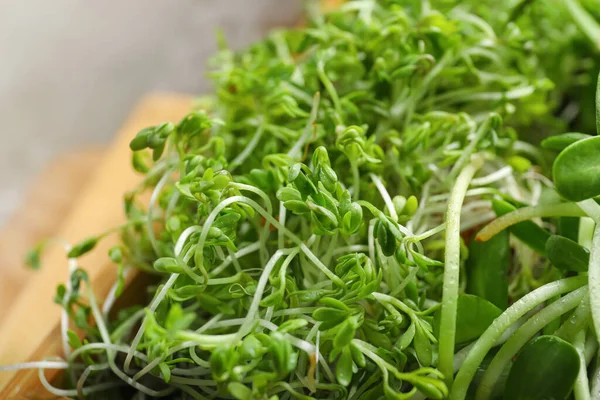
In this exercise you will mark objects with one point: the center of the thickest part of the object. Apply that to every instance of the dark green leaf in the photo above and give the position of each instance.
(473, 316)
(567, 255)
(386, 240)
(546, 368)
(487, 269)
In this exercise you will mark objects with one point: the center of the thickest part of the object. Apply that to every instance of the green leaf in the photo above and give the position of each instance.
(423, 346)
(329, 317)
(487, 269)
(518, 163)
(576, 170)
(167, 264)
(473, 316)
(569, 227)
(343, 367)
(83, 247)
(116, 254)
(546, 368)
(423, 261)
(74, 340)
(165, 371)
(222, 360)
(178, 320)
(239, 391)
(194, 123)
(334, 303)
(345, 333)
(386, 240)
(140, 141)
(560, 142)
(297, 206)
(411, 206)
(357, 355)
(407, 337)
(567, 255)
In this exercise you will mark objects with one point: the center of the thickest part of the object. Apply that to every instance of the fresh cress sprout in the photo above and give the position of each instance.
(317, 230)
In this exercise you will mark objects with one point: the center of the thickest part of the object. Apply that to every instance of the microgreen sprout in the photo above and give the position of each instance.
(318, 231)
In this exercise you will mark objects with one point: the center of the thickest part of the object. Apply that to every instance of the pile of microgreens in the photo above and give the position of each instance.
(311, 230)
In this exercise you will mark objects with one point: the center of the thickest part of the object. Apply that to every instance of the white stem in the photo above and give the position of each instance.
(385, 196)
(493, 177)
(153, 198)
(36, 365)
(112, 294)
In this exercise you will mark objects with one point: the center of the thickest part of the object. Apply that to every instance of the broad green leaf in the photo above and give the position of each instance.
(567, 255)
(545, 369)
(474, 316)
(560, 142)
(576, 170)
(487, 269)
(569, 227)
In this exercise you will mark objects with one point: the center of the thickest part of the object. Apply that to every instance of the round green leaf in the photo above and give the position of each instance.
(576, 170)
(545, 369)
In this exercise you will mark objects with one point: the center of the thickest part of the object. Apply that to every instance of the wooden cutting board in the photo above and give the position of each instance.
(79, 195)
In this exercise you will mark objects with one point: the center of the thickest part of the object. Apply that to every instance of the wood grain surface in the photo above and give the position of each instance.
(39, 216)
(83, 199)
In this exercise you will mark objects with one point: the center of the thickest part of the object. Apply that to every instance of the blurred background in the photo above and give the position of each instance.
(71, 70)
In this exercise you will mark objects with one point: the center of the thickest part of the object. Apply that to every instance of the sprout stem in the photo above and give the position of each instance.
(526, 213)
(582, 384)
(452, 269)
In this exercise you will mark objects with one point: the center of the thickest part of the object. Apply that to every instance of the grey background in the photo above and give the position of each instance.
(70, 70)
